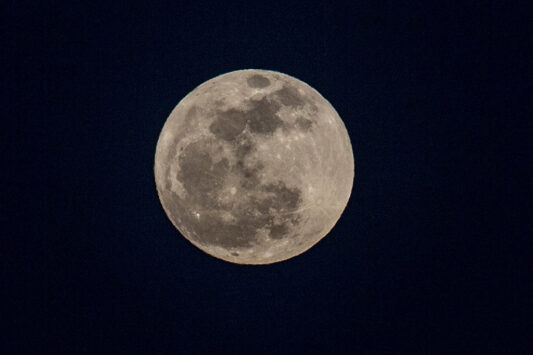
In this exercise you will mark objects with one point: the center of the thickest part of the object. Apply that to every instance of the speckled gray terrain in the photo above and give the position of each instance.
(254, 167)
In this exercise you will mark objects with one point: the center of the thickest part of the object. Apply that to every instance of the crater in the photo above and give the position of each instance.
(258, 81)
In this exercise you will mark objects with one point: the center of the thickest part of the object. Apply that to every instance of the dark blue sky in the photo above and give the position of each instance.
(427, 257)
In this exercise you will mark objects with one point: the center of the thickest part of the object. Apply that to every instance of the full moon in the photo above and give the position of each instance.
(254, 167)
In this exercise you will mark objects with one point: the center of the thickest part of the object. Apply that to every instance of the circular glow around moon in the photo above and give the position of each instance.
(254, 167)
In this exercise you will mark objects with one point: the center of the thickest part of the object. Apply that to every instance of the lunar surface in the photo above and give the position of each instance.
(254, 167)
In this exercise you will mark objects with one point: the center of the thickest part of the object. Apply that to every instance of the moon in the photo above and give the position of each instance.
(254, 167)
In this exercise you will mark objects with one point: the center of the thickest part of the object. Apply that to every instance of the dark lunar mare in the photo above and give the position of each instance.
(199, 174)
(270, 206)
(228, 124)
(257, 81)
(289, 96)
(262, 117)
(303, 124)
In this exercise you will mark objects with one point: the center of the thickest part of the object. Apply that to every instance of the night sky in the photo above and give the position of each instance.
(428, 257)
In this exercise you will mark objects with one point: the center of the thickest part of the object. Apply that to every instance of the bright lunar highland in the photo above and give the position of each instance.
(254, 167)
